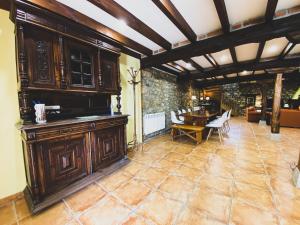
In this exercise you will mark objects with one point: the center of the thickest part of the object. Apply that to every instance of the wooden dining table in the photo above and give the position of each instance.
(199, 118)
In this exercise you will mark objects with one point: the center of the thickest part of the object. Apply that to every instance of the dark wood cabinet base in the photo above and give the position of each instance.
(76, 186)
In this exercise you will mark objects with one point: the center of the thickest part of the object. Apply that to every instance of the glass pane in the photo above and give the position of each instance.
(86, 57)
(75, 66)
(87, 80)
(76, 78)
(75, 54)
(86, 68)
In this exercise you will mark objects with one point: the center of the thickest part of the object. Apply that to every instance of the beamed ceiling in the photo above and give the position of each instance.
(208, 41)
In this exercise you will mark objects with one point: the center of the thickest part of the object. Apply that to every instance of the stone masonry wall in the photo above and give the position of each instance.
(162, 93)
(237, 91)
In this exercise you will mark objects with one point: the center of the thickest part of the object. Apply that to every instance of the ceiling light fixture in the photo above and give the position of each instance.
(223, 58)
(273, 48)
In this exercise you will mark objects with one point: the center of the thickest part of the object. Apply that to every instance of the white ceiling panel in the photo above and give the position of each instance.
(99, 15)
(231, 75)
(151, 15)
(222, 57)
(241, 10)
(286, 4)
(274, 47)
(295, 50)
(246, 52)
(259, 72)
(245, 73)
(202, 61)
(187, 66)
(201, 15)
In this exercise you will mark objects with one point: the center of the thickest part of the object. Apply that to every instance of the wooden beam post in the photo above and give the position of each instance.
(275, 124)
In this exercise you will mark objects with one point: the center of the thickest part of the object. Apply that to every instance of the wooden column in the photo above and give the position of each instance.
(275, 124)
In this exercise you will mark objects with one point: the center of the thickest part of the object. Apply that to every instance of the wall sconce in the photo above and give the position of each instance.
(207, 98)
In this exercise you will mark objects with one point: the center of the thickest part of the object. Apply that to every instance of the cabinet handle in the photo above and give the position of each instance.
(64, 131)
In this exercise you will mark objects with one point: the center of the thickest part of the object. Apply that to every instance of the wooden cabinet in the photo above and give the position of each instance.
(64, 156)
(110, 73)
(40, 46)
(62, 161)
(107, 146)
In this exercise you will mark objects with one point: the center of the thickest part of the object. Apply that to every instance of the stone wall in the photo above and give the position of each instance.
(162, 93)
(237, 92)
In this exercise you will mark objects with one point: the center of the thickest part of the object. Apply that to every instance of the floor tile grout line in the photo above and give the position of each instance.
(269, 185)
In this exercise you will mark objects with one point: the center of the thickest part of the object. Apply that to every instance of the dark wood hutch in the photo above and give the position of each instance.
(60, 62)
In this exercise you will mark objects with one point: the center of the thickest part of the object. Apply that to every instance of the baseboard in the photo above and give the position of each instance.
(16, 196)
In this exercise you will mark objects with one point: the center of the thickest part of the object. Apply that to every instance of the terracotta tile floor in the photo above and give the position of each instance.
(247, 180)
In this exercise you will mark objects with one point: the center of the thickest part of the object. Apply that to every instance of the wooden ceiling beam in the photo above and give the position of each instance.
(267, 76)
(256, 33)
(167, 7)
(260, 51)
(233, 55)
(286, 50)
(271, 7)
(107, 33)
(222, 13)
(117, 11)
(248, 66)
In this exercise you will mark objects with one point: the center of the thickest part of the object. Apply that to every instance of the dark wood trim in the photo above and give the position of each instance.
(233, 55)
(249, 66)
(211, 60)
(105, 32)
(256, 33)
(167, 7)
(260, 50)
(116, 10)
(222, 13)
(5, 4)
(271, 7)
(286, 50)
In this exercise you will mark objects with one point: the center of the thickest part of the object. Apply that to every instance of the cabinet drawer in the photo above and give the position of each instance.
(62, 161)
(57, 132)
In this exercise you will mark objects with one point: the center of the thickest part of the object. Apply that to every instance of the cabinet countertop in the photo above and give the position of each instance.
(82, 119)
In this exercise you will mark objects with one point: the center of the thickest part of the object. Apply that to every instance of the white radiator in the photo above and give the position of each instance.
(154, 122)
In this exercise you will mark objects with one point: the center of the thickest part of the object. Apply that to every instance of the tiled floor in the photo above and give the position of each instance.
(245, 181)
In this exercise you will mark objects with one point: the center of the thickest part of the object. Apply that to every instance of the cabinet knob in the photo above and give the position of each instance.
(93, 125)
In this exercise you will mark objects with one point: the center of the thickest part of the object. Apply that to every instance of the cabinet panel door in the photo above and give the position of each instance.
(108, 146)
(40, 47)
(62, 161)
(110, 73)
(82, 66)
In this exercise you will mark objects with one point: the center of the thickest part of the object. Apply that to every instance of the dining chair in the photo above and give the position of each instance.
(174, 118)
(179, 113)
